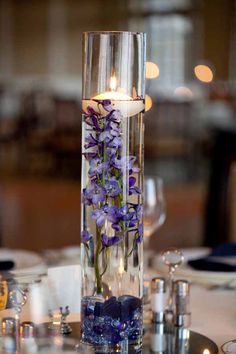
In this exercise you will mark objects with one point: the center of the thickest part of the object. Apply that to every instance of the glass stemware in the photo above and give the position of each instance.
(154, 207)
(22, 307)
(173, 258)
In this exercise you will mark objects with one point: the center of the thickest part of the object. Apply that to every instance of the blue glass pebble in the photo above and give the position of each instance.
(98, 329)
(98, 309)
(109, 322)
(111, 308)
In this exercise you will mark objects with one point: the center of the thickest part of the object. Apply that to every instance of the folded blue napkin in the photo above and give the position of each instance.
(6, 265)
(221, 259)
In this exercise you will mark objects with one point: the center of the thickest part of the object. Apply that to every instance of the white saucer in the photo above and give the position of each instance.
(25, 261)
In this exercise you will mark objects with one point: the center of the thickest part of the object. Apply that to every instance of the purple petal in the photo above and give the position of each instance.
(100, 220)
(86, 236)
(132, 181)
(110, 241)
(116, 227)
(90, 110)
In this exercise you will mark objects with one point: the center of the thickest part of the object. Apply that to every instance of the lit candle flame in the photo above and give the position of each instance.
(121, 267)
(206, 351)
(113, 83)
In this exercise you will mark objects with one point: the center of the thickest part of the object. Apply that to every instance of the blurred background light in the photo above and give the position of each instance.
(183, 92)
(148, 103)
(203, 73)
(152, 70)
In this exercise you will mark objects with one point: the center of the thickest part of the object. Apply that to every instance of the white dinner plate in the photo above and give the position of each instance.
(25, 261)
(197, 276)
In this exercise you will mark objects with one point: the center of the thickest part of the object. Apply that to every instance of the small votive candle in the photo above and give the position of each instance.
(158, 299)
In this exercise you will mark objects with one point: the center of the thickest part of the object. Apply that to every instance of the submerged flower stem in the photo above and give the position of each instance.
(98, 276)
(105, 268)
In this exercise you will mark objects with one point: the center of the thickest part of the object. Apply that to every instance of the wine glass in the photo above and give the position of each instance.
(172, 258)
(154, 217)
(154, 206)
(23, 305)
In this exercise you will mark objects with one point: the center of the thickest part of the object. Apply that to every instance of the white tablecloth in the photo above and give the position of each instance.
(214, 313)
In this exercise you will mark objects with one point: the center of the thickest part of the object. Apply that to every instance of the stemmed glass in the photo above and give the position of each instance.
(173, 258)
(154, 206)
(22, 305)
(154, 217)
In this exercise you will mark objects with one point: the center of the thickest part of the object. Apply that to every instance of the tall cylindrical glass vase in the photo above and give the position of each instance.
(112, 189)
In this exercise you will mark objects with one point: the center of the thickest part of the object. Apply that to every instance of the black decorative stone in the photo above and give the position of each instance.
(98, 309)
(128, 305)
(111, 307)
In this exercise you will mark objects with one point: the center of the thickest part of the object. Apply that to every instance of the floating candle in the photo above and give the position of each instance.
(124, 103)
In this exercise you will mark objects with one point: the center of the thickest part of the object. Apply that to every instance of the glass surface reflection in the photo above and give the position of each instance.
(161, 338)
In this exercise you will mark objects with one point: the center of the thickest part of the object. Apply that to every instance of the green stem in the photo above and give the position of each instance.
(96, 262)
(105, 268)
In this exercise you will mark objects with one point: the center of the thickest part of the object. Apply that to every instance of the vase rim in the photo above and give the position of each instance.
(114, 32)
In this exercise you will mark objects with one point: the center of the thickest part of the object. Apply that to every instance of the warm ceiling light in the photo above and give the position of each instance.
(152, 70)
(203, 73)
(183, 92)
(148, 103)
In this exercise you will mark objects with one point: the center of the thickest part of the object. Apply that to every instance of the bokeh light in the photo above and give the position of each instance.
(152, 70)
(148, 103)
(203, 73)
(183, 92)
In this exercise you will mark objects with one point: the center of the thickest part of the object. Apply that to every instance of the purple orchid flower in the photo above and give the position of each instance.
(139, 211)
(111, 152)
(104, 213)
(90, 111)
(115, 144)
(132, 188)
(93, 194)
(112, 188)
(99, 215)
(124, 163)
(105, 136)
(91, 141)
(112, 214)
(114, 129)
(92, 119)
(90, 155)
(116, 227)
(139, 237)
(114, 116)
(97, 166)
(106, 104)
(86, 236)
(124, 214)
(110, 241)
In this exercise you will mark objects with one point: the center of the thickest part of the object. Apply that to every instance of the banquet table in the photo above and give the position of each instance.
(214, 313)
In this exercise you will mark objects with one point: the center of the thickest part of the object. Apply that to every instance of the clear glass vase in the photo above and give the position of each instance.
(112, 189)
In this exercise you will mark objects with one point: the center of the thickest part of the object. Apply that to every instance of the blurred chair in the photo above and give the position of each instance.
(8, 129)
(66, 140)
(217, 227)
(169, 132)
(35, 129)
